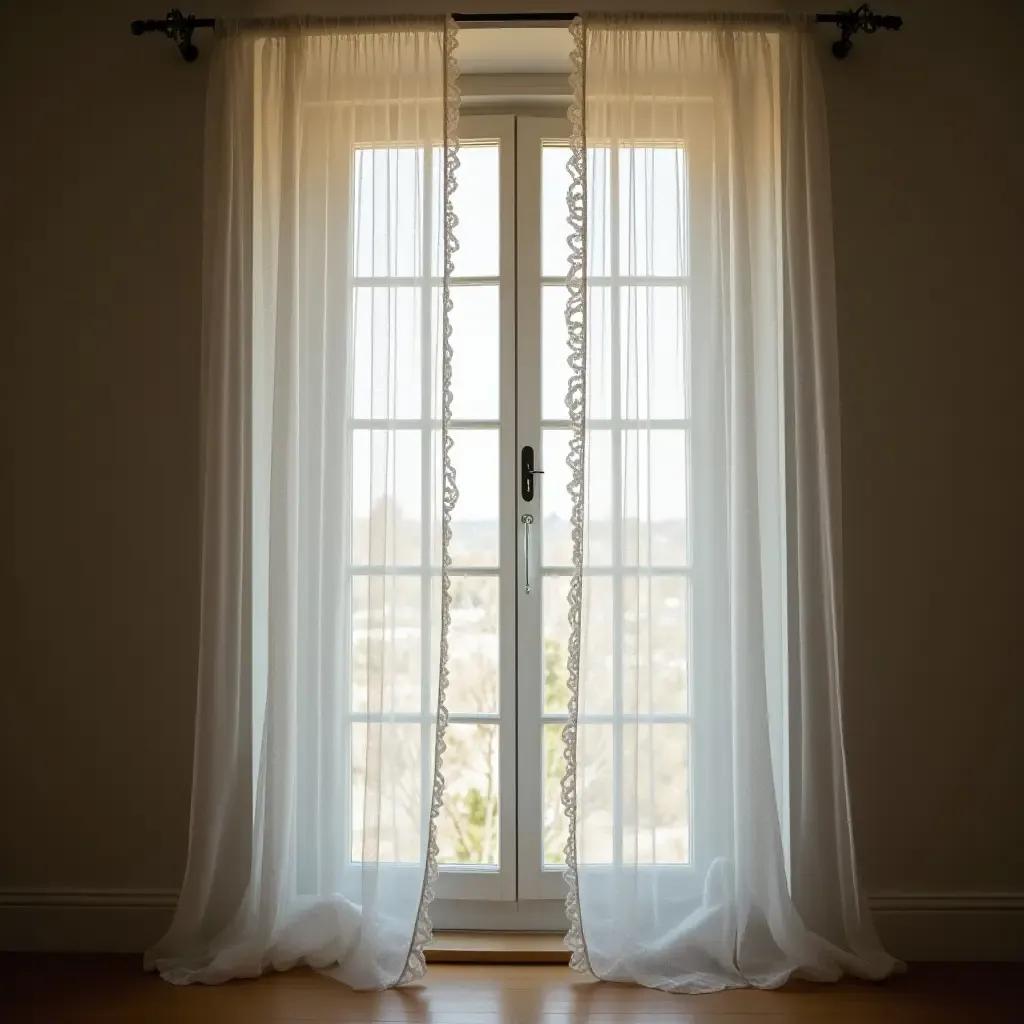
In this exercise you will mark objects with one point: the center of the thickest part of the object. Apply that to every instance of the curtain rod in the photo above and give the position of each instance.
(180, 27)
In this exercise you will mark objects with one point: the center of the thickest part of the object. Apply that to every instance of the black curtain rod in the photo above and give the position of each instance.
(180, 27)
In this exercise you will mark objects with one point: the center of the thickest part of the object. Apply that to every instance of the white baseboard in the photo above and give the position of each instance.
(84, 920)
(951, 926)
(913, 926)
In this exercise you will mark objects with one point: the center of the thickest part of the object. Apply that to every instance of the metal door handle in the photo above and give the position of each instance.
(526, 519)
(527, 473)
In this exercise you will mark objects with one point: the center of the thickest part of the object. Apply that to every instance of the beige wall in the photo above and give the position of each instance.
(101, 172)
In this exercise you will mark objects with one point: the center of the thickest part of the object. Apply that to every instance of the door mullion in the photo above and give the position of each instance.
(509, 775)
(528, 327)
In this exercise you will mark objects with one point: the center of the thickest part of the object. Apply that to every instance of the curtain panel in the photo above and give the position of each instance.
(710, 841)
(330, 159)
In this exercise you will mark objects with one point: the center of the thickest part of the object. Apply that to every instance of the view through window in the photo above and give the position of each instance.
(637, 599)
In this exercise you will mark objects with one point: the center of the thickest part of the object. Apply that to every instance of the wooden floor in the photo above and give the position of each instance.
(59, 989)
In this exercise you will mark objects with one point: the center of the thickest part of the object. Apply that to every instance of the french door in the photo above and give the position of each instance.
(501, 831)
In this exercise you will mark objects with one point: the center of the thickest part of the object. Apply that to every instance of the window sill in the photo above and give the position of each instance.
(497, 948)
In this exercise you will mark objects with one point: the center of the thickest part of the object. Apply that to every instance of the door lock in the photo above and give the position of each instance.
(528, 473)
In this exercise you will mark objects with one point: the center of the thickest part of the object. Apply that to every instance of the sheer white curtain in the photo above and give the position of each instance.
(710, 827)
(327, 500)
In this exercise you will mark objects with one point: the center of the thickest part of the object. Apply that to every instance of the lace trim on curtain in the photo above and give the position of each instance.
(576, 324)
(416, 965)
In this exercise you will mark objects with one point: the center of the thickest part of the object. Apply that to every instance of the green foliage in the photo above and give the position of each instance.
(476, 814)
(555, 692)
(473, 813)
(556, 696)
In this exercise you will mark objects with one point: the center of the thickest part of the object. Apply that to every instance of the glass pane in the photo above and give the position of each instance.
(388, 825)
(656, 793)
(595, 770)
(555, 824)
(475, 347)
(556, 546)
(475, 456)
(554, 218)
(599, 212)
(477, 206)
(467, 827)
(555, 612)
(555, 228)
(388, 212)
(556, 503)
(473, 643)
(655, 644)
(554, 335)
(602, 340)
(386, 498)
(654, 485)
(387, 640)
(597, 652)
(388, 366)
(653, 211)
(654, 363)
(555, 369)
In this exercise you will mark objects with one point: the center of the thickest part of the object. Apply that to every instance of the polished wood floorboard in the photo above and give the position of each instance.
(71, 989)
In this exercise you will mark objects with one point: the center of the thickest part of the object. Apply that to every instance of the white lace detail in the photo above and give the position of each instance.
(416, 966)
(576, 324)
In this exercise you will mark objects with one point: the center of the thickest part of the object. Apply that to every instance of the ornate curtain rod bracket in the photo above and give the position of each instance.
(863, 19)
(176, 26)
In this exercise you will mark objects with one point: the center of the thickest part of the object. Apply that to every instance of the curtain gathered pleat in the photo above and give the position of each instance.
(710, 842)
(330, 154)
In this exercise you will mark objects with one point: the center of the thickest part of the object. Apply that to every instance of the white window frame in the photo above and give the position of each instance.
(523, 893)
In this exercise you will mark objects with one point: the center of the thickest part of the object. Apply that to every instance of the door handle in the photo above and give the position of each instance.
(527, 520)
(527, 473)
